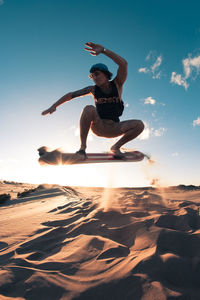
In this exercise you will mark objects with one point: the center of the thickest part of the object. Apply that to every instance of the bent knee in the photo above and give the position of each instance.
(141, 125)
(89, 109)
(89, 112)
(133, 124)
(96, 131)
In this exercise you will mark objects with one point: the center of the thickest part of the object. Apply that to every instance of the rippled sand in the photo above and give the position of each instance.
(93, 243)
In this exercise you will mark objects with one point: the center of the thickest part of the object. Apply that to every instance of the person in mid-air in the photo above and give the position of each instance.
(103, 118)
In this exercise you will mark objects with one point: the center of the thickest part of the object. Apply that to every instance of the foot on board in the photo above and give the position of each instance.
(82, 154)
(117, 154)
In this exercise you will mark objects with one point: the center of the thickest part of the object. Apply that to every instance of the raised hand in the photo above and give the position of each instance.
(49, 110)
(94, 49)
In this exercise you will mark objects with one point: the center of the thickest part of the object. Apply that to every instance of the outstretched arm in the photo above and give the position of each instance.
(96, 49)
(69, 96)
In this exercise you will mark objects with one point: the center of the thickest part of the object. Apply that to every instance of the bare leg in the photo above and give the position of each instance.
(130, 129)
(87, 117)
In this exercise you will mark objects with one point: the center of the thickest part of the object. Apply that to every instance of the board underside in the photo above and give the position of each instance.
(59, 158)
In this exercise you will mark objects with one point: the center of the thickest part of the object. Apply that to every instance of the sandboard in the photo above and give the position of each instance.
(56, 157)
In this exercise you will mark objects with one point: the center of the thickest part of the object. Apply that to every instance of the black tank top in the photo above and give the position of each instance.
(109, 106)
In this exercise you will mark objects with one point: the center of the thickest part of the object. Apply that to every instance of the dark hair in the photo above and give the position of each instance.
(107, 73)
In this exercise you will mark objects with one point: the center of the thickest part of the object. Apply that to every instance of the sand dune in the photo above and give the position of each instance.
(90, 243)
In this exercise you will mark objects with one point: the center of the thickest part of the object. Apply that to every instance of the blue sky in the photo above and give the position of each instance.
(42, 58)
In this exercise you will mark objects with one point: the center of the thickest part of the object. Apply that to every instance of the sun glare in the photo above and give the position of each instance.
(75, 175)
(93, 175)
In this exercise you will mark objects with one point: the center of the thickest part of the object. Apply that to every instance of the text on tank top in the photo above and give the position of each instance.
(109, 106)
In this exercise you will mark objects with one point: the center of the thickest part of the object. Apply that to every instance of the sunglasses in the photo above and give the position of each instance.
(95, 73)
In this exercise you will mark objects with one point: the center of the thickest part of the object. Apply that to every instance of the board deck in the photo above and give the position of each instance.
(57, 157)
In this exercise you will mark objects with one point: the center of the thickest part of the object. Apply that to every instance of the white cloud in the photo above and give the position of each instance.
(145, 135)
(149, 55)
(153, 69)
(143, 70)
(187, 68)
(150, 100)
(159, 132)
(148, 132)
(156, 64)
(178, 79)
(196, 122)
(157, 76)
(190, 66)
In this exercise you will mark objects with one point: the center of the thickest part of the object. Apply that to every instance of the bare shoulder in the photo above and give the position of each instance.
(119, 87)
(121, 74)
(83, 92)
